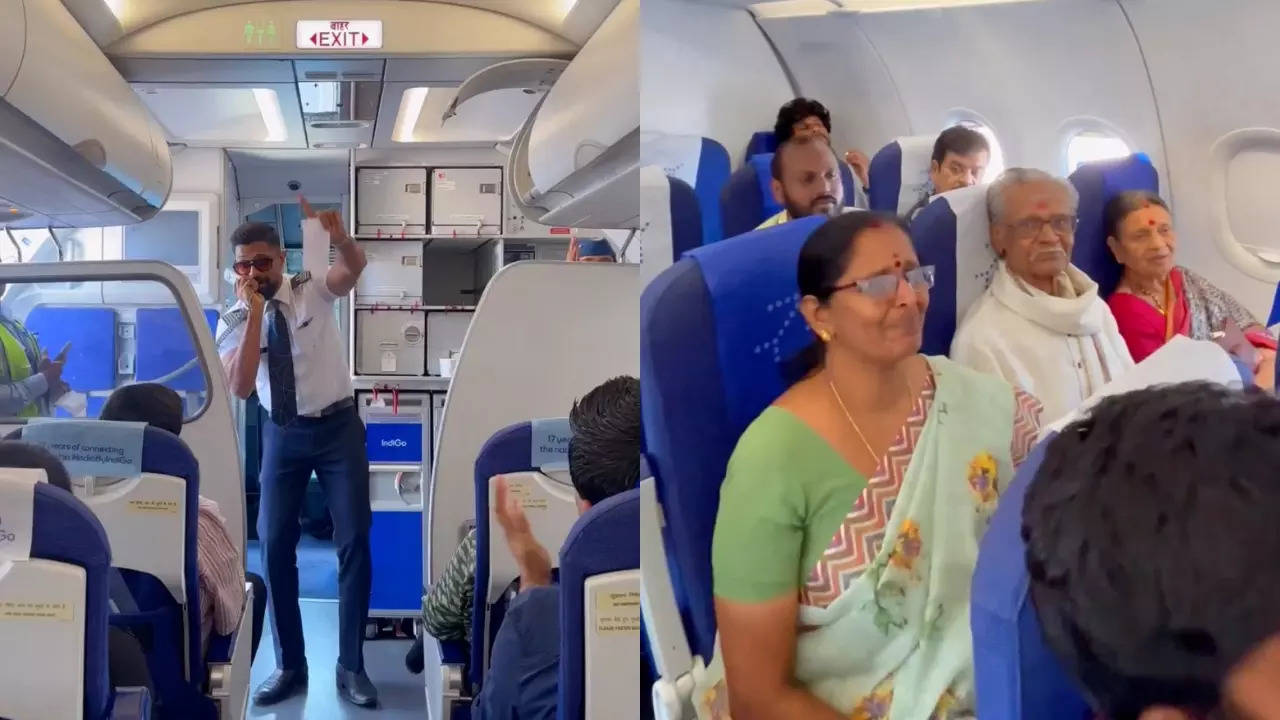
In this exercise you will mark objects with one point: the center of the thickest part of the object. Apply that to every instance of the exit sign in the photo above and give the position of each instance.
(339, 34)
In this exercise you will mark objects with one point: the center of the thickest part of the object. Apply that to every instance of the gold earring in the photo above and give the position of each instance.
(825, 336)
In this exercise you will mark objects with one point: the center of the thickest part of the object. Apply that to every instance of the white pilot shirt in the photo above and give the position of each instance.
(320, 369)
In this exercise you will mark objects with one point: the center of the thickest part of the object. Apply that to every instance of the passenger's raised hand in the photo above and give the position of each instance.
(532, 559)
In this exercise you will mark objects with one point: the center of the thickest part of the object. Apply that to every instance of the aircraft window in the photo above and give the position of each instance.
(995, 165)
(113, 332)
(1091, 146)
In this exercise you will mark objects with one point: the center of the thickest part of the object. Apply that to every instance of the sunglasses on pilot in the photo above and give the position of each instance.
(261, 263)
(883, 287)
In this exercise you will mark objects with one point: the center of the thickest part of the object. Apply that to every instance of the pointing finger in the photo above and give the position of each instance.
(307, 210)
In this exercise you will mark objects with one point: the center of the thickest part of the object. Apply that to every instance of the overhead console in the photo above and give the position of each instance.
(77, 146)
(576, 161)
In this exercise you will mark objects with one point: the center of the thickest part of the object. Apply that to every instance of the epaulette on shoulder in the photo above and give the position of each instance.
(300, 279)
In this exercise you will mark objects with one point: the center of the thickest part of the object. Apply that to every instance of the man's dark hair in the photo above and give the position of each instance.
(604, 454)
(1151, 544)
(775, 163)
(151, 403)
(795, 111)
(17, 454)
(255, 232)
(960, 140)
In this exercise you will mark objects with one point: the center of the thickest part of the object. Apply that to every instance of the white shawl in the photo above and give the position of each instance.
(1062, 348)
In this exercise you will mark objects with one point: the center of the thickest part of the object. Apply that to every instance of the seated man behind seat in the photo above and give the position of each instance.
(604, 460)
(805, 117)
(806, 180)
(1150, 549)
(218, 562)
(1041, 324)
(126, 661)
(960, 157)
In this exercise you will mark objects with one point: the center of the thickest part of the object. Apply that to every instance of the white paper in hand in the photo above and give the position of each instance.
(315, 247)
(1177, 361)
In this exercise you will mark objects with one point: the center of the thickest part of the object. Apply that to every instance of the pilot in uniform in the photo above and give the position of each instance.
(281, 338)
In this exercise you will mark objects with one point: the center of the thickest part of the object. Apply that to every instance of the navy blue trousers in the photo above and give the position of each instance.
(334, 448)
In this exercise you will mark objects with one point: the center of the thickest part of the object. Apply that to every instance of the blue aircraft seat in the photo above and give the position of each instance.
(899, 173)
(64, 536)
(165, 344)
(91, 361)
(150, 605)
(747, 199)
(716, 327)
(952, 234)
(761, 143)
(511, 451)
(1016, 675)
(1097, 183)
(600, 557)
(699, 162)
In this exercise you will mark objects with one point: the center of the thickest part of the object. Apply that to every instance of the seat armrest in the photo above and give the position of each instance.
(131, 703)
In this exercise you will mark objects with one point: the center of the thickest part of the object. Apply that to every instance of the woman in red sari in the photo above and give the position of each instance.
(1156, 299)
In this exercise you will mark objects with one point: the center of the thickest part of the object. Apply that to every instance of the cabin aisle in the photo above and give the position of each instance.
(399, 693)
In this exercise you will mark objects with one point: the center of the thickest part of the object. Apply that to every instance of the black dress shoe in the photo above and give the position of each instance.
(282, 685)
(355, 688)
(413, 661)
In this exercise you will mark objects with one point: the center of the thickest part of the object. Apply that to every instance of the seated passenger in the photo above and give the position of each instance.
(1150, 532)
(218, 562)
(852, 507)
(604, 460)
(803, 116)
(1040, 324)
(959, 159)
(1157, 299)
(126, 660)
(806, 180)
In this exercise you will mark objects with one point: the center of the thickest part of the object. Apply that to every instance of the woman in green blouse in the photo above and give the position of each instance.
(852, 509)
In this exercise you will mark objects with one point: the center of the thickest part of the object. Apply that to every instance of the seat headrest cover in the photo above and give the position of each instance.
(953, 234)
(1016, 675)
(899, 173)
(17, 497)
(751, 282)
(549, 443)
(1097, 183)
(91, 447)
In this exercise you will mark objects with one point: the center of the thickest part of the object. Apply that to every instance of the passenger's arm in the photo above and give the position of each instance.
(241, 362)
(533, 560)
(758, 644)
(220, 569)
(448, 605)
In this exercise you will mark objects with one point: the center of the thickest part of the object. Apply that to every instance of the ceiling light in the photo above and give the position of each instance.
(870, 6)
(407, 117)
(116, 7)
(272, 117)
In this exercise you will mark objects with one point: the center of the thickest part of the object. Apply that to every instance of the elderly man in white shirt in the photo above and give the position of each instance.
(281, 339)
(1040, 324)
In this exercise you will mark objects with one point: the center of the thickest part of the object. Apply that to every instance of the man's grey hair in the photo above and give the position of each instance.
(1018, 176)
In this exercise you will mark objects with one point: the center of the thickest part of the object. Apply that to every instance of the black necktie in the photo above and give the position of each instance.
(284, 393)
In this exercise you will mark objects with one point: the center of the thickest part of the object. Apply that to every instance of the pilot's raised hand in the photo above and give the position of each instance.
(532, 559)
(575, 251)
(247, 291)
(330, 220)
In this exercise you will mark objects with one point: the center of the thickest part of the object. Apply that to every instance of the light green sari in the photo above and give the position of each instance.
(885, 608)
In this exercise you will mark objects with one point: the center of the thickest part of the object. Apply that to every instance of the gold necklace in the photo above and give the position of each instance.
(849, 416)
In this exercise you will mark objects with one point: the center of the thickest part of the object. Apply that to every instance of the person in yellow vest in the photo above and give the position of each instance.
(29, 379)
